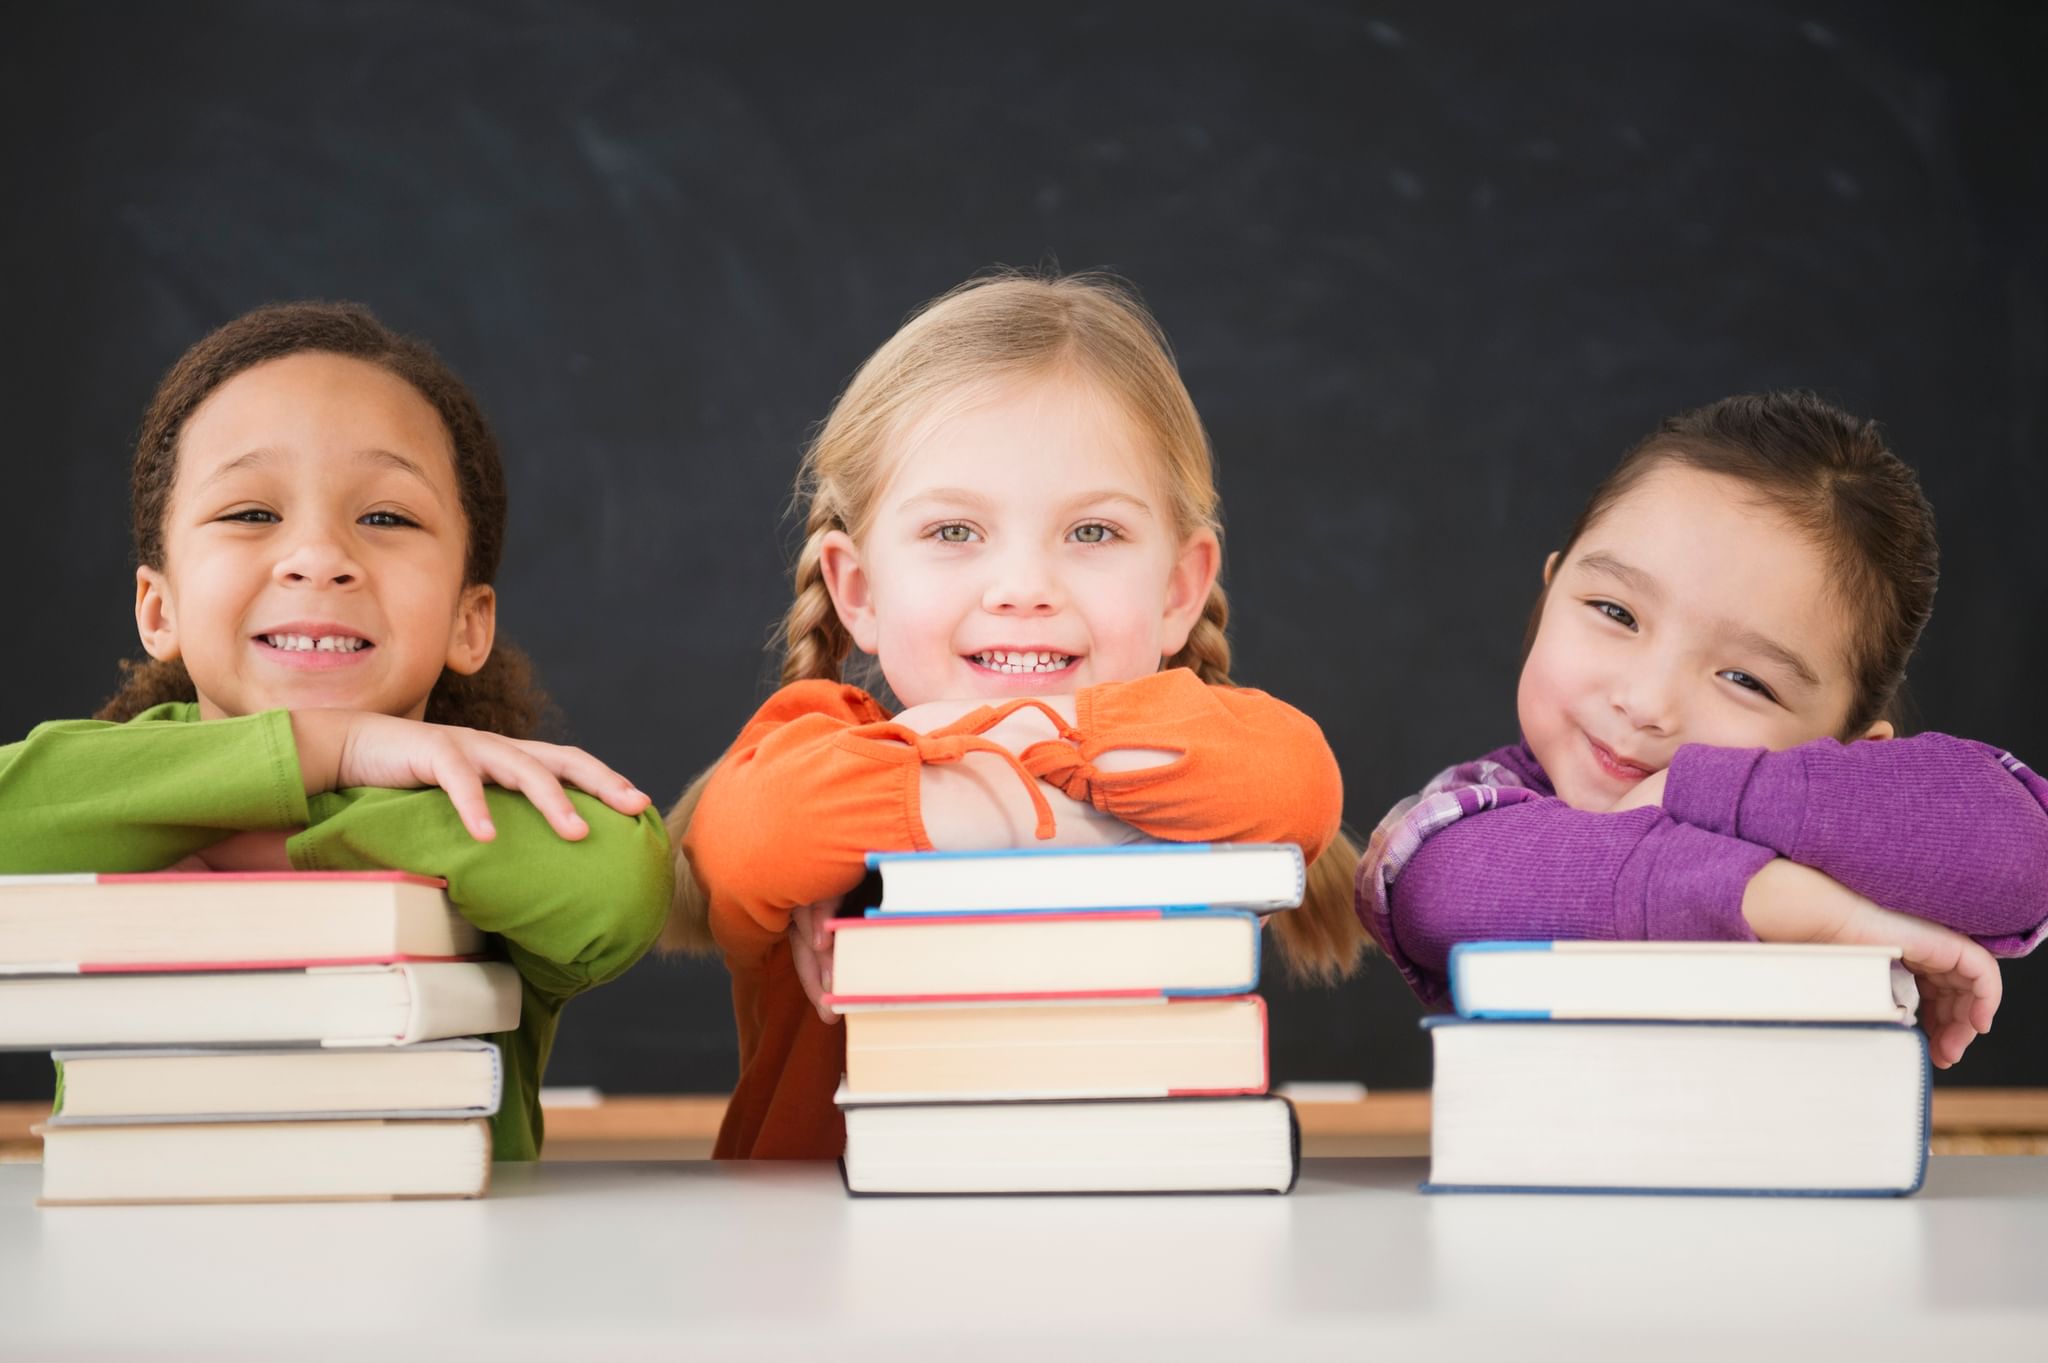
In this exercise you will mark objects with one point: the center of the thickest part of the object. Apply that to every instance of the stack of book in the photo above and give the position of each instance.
(255, 1037)
(1064, 1021)
(1678, 1067)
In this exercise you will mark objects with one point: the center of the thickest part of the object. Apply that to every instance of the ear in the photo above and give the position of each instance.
(1187, 589)
(1879, 731)
(1550, 567)
(476, 629)
(154, 619)
(846, 581)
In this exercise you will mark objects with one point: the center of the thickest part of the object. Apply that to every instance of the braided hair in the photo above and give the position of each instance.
(998, 327)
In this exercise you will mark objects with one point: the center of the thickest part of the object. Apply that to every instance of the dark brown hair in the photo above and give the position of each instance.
(501, 696)
(1832, 475)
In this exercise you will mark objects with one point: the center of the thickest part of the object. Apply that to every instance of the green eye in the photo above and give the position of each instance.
(955, 533)
(1094, 532)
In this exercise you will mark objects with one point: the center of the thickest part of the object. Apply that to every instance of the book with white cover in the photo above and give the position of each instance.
(996, 957)
(1168, 1145)
(265, 1162)
(219, 920)
(461, 1077)
(387, 1005)
(1257, 877)
(1708, 981)
(1700, 1107)
(1137, 1048)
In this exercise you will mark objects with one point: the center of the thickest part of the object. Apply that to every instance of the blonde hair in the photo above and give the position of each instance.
(993, 329)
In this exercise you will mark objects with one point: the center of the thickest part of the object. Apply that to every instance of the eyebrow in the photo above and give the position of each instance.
(253, 459)
(960, 496)
(1748, 640)
(257, 458)
(1770, 648)
(1609, 566)
(946, 496)
(394, 460)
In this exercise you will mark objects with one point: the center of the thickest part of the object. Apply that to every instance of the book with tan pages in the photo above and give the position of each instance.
(215, 920)
(387, 1005)
(265, 1162)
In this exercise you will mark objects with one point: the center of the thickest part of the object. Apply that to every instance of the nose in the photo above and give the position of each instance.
(1022, 582)
(1647, 696)
(317, 557)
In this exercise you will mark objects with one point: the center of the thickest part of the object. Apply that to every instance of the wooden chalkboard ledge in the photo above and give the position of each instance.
(1967, 1121)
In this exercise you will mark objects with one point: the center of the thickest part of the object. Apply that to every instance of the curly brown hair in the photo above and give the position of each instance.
(501, 696)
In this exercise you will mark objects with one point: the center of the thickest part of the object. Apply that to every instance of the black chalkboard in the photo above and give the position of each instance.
(1429, 269)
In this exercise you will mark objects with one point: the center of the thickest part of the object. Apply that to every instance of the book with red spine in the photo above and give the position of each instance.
(226, 920)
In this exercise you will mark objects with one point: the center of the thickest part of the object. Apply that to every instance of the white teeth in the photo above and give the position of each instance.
(306, 643)
(1026, 660)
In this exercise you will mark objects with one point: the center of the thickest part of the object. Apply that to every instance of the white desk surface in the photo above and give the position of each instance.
(573, 1262)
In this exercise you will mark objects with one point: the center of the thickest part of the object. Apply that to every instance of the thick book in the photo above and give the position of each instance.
(1257, 877)
(177, 920)
(327, 1006)
(1696, 1107)
(447, 1079)
(1125, 953)
(1168, 1145)
(1707, 981)
(1158, 1048)
(265, 1162)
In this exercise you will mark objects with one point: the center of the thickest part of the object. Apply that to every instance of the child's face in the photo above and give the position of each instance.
(1685, 614)
(315, 501)
(1022, 545)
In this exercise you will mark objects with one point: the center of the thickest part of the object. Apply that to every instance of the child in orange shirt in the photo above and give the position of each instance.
(1013, 509)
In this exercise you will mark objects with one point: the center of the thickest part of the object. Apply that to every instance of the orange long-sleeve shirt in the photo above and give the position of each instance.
(820, 777)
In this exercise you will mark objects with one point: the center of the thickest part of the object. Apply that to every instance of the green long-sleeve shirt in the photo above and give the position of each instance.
(86, 795)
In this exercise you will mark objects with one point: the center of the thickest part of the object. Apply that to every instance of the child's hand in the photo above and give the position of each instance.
(810, 949)
(342, 748)
(1960, 986)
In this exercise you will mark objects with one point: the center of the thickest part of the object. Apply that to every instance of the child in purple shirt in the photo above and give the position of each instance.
(1717, 650)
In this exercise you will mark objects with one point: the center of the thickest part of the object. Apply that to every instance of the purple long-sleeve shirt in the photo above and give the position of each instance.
(1938, 827)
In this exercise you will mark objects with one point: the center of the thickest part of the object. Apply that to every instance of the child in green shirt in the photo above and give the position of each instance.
(319, 508)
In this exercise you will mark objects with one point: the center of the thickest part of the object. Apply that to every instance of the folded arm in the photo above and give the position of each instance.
(1937, 827)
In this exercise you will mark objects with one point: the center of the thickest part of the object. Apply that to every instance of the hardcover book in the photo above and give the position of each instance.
(1258, 877)
(1682, 980)
(454, 1078)
(177, 920)
(1699, 1107)
(265, 1162)
(1124, 953)
(326, 1006)
(1175, 1145)
(1136, 1049)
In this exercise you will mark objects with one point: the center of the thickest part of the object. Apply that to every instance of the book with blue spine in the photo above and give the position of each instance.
(1118, 953)
(1705, 981)
(1742, 1108)
(1255, 877)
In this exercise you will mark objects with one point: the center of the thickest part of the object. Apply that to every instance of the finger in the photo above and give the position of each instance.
(453, 773)
(516, 770)
(579, 769)
(1989, 993)
(1955, 1039)
(806, 966)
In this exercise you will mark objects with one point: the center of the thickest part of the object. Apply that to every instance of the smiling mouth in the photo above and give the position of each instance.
(1018, 662)
(1616, 766)
(308, 643)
